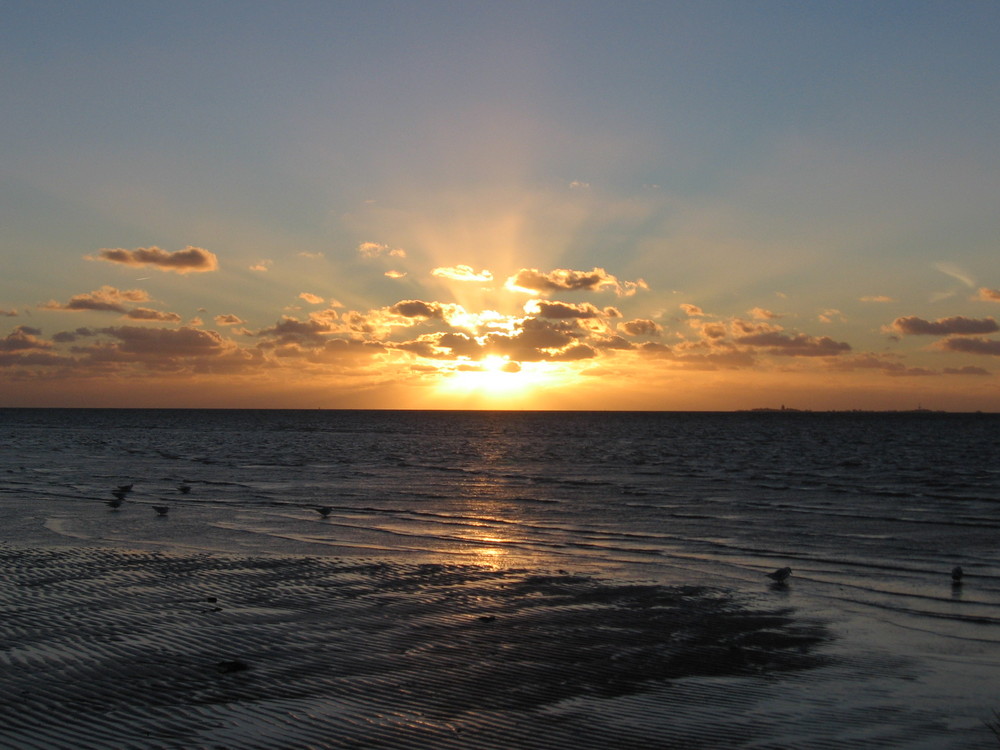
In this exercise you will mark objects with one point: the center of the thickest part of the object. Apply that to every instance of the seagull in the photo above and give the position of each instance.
(119, 495)
(324, 511)
(956, 574)
(161, 510)
(114, 504)
(125, 487)
(780, 575)
(184, 488)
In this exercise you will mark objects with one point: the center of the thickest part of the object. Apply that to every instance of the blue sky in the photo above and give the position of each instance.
(818, 171)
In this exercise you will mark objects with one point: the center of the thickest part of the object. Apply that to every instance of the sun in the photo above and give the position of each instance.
(498, 381)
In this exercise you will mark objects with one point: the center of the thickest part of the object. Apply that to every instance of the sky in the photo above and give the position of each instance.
(505, 205)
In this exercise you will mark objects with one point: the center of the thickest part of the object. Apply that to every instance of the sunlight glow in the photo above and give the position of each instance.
(497, 379)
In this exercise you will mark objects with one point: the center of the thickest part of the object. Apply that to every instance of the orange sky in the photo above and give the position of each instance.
(487, 205)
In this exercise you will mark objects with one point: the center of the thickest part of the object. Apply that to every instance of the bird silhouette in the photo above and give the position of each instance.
(184, 488)
(126, 488)
(114, 504)
(161, 510)
(956, 574)
(324, 511)
(780, 575)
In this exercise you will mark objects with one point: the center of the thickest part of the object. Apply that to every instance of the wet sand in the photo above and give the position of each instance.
(103, 647)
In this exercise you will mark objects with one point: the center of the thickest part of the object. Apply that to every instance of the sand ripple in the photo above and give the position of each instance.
(117, 649)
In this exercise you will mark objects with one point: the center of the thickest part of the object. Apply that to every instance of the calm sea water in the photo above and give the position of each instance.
(872, 510)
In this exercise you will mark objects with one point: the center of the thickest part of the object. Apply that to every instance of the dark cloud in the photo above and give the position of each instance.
(166, 342)
(958, 325)
(798, 345)
(972, 346)
(640, 327)
(967, 370)
(189, 260)
(23, 338)
(294, 331)
(413, 308)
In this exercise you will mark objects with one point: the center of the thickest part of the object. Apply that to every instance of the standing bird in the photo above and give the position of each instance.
(114, 504)
(184, 488)
(324, 511)
(780, 575)
(956, 575)
(125, 488)
(161, 510)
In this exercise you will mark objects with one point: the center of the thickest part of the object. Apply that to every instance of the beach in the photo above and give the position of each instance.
(478, 602)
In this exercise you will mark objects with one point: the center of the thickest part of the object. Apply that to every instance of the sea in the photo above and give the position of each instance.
(869, 510)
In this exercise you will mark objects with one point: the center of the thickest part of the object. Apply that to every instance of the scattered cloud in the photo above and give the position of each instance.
(312, 299)
(567, 310)
(7, 313)
(393, 274)
(691, 310)
(23, 338)
(989, 295)
(958, 325)
(262, 265)
(578, 185)
(832, 315)
(533, 281)
(759, 313)
(189, 260)
(106, 299)
(876, 298)
(376, 250)
(228, 320)
(462, 272)
(311, 256)
(145, 313)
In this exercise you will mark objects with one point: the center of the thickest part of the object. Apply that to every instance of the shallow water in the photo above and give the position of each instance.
(873, 509)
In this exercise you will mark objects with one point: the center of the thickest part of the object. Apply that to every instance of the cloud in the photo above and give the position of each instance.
(967, 370)
(567, 310)
(950, 269)
(414, 308)
(831, 315)
(105, 299)
(914, 326)
(759, 313)
(640, 327)
(262, 265)
(691, 310)
(532, 280)
(577, 185)
(462, 273)
(798, 345)
(971, 346)
(290, 330)
(376, 250)
(189, 260)
(228, 320)
(7, 313)
(989, 295)
(877, 298)
(23, 338)
(312, 299)
(144, 313)
(166, 342)
(393, 274)
(312, 256)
